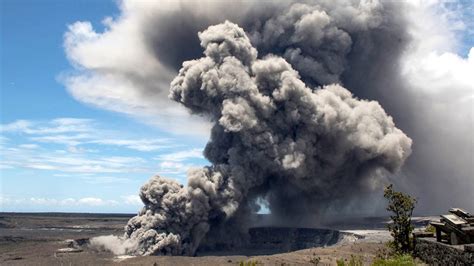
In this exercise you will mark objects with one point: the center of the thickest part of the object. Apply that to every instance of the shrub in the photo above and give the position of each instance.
(315, 260)
(249, 263)
(430, 229)
(354, 261)
(402, 206)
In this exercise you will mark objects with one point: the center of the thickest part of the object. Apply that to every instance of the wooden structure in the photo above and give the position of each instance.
(455, 228)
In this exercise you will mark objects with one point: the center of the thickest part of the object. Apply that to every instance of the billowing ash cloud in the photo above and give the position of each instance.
(273, 137)
(319, 39)
(283, 133)
(403, 54)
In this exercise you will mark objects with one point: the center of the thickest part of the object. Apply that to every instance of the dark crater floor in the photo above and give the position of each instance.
(271, 240)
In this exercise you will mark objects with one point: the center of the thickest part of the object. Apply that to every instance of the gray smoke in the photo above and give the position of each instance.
(360, 45)
(274, 137)
(284, 133)
(323, 40)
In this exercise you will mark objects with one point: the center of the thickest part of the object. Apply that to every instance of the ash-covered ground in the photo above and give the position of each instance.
(63, 239)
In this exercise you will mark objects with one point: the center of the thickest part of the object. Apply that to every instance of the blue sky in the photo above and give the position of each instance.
(58, 154)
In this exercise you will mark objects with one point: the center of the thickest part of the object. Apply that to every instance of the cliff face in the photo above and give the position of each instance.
(271, 240)
(290, 239)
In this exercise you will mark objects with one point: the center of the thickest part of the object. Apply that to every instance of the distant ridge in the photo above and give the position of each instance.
(67, 214)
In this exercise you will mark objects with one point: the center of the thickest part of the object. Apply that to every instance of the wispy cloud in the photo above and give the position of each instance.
(137, 144)
(55, 126)
(181, 155)
(106, 180)
(83, 151)
(79, 131)
(96, 201)
(3, 139)
(176, 164)
(67, 202)
(4, 165)
(85, 145)
(40, 166)
(175, 169)
(28, 146)
(71, 140)
(132, 200)
(106, 77)
(73, 159)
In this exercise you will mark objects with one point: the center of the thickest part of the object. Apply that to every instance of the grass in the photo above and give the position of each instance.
(400, 260)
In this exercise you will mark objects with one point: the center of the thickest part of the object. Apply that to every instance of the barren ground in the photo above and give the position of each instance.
(37, 239)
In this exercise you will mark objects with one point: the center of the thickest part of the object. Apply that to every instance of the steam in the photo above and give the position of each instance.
(273, 137)
(115, 244)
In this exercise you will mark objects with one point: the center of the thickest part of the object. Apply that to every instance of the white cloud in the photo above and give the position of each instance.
(3, 139)
(177, 169)
(75, 131)
(82, 164)
(40, 166)
(69, 202)
(432, 63)
(86, 150)
(4, 200)
(91, 201)
(87, 201)
(442, 79)
(55, 126)
(436, 73)
(132, 82)
(77, 149)
(136, 144)
(105, 180)
(132, 200)
(181, 155)
(17, 126)
(71, 162)
(28, 146)
(438, 68)
(4, 165)
(176, 164)
(70, 140)
(84, 153)
(43, 201)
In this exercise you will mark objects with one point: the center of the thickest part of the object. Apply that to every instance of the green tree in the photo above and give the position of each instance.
(401, 205)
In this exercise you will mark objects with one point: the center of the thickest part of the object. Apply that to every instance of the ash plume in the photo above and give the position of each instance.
(402, 54)
(275, 135)
(266, 145)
